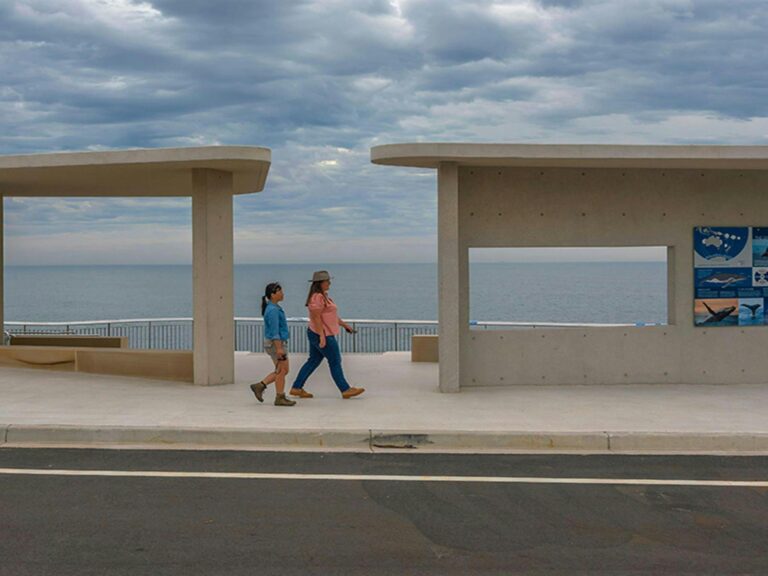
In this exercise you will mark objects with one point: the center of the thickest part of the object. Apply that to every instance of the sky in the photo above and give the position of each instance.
(321, 81)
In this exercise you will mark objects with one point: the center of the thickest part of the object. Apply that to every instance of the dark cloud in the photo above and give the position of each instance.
(321, 81)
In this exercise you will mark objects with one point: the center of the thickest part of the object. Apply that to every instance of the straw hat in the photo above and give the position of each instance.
(320, 276)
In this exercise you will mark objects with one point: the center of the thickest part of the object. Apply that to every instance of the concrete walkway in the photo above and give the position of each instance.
(400, 410)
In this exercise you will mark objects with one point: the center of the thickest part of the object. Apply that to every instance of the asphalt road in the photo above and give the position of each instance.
(361, 523)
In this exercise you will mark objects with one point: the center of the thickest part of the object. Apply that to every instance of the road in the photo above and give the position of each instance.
(69, 511)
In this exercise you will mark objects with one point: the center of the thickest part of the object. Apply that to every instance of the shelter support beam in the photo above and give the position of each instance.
(452, 279)
(213, 292)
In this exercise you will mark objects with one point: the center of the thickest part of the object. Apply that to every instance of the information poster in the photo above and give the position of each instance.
(730, 276)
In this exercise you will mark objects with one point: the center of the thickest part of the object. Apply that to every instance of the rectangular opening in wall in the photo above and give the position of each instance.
(564, 286)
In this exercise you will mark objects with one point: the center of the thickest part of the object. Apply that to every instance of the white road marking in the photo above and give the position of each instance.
(382, 478)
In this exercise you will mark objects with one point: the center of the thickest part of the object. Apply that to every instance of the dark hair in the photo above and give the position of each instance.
(270, 289)
(315, 288)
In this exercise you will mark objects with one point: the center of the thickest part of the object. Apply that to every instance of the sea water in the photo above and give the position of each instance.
(526, 292)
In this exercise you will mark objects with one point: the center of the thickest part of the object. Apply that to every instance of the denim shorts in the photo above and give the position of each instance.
(269, 348)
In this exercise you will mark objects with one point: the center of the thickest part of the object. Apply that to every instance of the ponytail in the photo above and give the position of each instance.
(263, 304)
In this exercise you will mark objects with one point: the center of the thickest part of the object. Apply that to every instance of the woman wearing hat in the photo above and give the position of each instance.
(324, 323)
(275, 344)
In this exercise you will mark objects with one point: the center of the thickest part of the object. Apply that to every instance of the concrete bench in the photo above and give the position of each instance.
(82, 341)
(424, 348)
(155, 364)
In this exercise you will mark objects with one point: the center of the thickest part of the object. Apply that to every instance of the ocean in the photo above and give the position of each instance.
(528, 292)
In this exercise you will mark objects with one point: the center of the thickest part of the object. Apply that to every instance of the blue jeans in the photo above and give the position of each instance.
(331, 353)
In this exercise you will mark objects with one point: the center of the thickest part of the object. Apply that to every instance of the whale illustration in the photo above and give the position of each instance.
(724, 279)
(717, 316)
(752, 308)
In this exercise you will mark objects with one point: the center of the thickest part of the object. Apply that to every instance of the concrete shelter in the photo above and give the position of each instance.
(522, 195)
(210, 175)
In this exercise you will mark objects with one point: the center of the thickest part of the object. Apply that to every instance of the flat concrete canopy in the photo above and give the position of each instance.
(564, 195)
(430, 155)
(209, 175)
(144, 172)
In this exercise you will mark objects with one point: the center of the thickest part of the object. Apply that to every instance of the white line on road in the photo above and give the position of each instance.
(382, 478)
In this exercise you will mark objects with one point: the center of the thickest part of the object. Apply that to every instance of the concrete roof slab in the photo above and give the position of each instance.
(431, 154)
(141, 172)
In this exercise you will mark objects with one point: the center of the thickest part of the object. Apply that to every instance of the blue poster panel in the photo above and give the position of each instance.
(751, 311)
(730, 276)
(722, 283)
(760, 247)
(760, 277)
(722, 247)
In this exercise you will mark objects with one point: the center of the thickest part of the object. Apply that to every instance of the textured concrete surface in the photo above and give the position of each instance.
(402, 408)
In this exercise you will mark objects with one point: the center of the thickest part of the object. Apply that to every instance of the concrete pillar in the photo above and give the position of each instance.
(451, 267)
(213, 292)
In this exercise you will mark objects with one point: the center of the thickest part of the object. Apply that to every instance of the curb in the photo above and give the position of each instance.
(447, 441)
(161, 437)
(384, 440)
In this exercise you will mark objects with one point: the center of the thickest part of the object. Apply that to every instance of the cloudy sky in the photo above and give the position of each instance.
(321, 81)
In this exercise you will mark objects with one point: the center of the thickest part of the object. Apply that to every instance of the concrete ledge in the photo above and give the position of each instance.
(157, 364)
(384, 440)
(69, 340)
(424, 348)
(45, 357)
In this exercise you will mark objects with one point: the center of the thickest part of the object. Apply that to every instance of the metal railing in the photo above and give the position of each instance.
(372, 337)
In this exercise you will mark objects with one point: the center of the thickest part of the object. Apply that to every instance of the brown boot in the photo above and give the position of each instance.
(301, 393)
(352, 392)
(281, 400)
(258, 390)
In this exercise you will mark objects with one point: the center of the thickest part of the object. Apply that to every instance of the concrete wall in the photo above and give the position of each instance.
(424, 348)
(155, 364)
(551, 207)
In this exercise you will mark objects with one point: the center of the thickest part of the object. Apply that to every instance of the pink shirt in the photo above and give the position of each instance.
(328, 313)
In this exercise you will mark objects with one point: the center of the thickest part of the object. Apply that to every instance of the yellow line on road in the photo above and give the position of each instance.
(382, 478)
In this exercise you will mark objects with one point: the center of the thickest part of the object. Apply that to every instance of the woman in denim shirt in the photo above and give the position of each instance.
(275, 344)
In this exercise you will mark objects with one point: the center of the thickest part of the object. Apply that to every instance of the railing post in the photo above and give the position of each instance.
(149, 334)
(354, 337)
(109, 329)
(396, 337)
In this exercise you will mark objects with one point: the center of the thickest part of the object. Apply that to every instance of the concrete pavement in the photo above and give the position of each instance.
(401, 409)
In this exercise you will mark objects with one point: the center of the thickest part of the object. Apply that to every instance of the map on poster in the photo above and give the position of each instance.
(730, 276)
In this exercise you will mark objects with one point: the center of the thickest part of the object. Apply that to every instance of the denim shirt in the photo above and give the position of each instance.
(275, 324)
